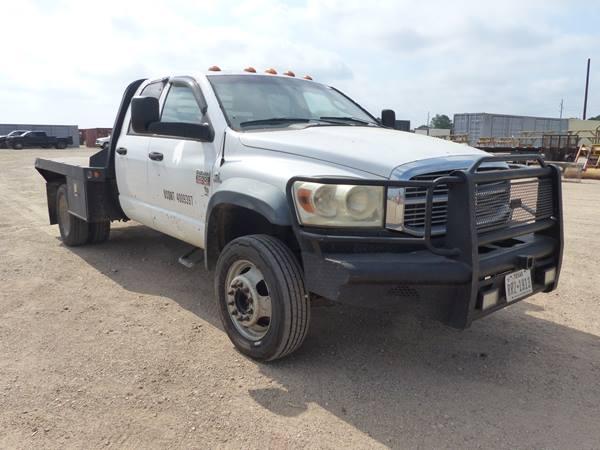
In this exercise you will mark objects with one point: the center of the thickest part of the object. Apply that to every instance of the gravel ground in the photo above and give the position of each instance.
(117, 345)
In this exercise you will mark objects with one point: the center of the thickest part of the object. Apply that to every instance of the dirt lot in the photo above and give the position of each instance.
(118, 345)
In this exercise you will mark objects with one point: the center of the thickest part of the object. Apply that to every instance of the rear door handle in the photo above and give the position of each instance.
(122, 151)
(155, 156)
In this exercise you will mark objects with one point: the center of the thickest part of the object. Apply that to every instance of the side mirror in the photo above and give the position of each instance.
(200, 131)
(144, 111)
(388, 118)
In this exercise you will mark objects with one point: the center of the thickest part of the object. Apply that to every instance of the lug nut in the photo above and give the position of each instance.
(231, 303)
(231, 292)
(234, 312)
(245, 290)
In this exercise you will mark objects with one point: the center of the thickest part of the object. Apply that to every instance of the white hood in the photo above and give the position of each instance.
(374, 150)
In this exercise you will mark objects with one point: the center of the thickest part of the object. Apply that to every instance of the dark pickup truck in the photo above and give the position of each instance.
(11, 134)
(37, 139)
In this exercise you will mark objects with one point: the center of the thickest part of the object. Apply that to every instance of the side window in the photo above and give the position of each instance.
(153, 89)
(181, 106)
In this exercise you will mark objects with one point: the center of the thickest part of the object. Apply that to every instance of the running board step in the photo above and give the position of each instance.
(191, 258)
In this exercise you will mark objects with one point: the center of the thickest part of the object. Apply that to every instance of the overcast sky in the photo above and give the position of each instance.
(67, 62)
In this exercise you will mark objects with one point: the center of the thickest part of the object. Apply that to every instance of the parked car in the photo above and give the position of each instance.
(290, 191)
(11, 134)
(37, 139)
(103, 142)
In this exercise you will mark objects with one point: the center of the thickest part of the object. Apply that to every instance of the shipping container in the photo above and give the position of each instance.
(483, 125)
(50, 130)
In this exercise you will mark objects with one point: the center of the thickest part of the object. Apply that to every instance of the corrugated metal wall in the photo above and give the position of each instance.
(51, 130)
(484, 125)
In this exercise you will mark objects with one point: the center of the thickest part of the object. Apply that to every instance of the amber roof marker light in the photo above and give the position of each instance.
(214, 69)
(271, 71)
(289, 73)
(250, 69)
(307, 77)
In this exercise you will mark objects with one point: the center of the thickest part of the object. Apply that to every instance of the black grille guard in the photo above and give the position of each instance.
(461, 237)
(462, 241)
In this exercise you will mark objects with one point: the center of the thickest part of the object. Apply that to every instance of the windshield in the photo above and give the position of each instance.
(251, 101)
(16, 133)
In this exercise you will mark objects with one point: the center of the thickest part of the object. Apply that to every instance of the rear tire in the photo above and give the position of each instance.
(98, 232)
(73, 230)
(254, 271)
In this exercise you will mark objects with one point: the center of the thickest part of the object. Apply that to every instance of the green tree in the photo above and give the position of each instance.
(594, 118)
(441, 121)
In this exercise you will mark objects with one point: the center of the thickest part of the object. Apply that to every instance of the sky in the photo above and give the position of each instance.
(68, 61)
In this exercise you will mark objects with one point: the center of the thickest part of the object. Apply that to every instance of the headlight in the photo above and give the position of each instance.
(338, 205)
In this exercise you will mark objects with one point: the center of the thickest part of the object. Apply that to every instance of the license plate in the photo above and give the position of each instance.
(518, 285)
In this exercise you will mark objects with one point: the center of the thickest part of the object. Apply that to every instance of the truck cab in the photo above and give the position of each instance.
(291, 191)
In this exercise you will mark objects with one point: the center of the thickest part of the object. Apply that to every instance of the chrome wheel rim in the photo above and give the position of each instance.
(248, 300)
(63, 214)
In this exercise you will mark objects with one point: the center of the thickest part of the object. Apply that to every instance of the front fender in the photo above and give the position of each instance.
(266, 199)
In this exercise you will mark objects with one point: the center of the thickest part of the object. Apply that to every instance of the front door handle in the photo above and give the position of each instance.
(155, 156)
(122, 151)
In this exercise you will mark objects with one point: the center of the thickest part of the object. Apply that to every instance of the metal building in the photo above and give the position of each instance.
(51, 130)
(483, 125)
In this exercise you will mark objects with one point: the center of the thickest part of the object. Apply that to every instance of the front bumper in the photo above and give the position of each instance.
(445, 277)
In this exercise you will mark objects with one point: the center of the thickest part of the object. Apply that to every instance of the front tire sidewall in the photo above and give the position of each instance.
(267, 347)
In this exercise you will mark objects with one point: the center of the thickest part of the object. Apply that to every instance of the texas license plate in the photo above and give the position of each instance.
(518, 285)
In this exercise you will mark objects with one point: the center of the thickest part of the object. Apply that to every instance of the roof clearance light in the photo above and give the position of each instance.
(214, 69)
(271, 71)
(307, 77)
(250, 69)
(289, 73)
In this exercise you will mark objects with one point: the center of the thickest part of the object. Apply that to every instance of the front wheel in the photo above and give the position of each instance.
(17, 146)
(261, 297)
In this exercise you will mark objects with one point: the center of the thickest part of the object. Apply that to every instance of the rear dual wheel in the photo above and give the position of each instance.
(261, 297)
(73, 230)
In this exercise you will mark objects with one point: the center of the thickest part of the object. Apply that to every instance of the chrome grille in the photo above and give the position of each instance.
(414, 208)
(498, 204)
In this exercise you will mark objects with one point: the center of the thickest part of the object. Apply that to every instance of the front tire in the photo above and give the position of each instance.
(261, 297)
(73, 230)
(17, 146)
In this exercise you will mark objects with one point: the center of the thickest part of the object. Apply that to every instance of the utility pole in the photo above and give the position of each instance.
(587, 85)
(561, 106)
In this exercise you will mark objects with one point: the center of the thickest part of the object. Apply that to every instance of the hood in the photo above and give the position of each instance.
(369, 149)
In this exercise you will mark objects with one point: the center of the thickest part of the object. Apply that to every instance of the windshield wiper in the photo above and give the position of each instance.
(275, 121)
(346, 119)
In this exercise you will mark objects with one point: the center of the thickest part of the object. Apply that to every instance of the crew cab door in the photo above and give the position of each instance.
(131, 161)
(179, 168)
